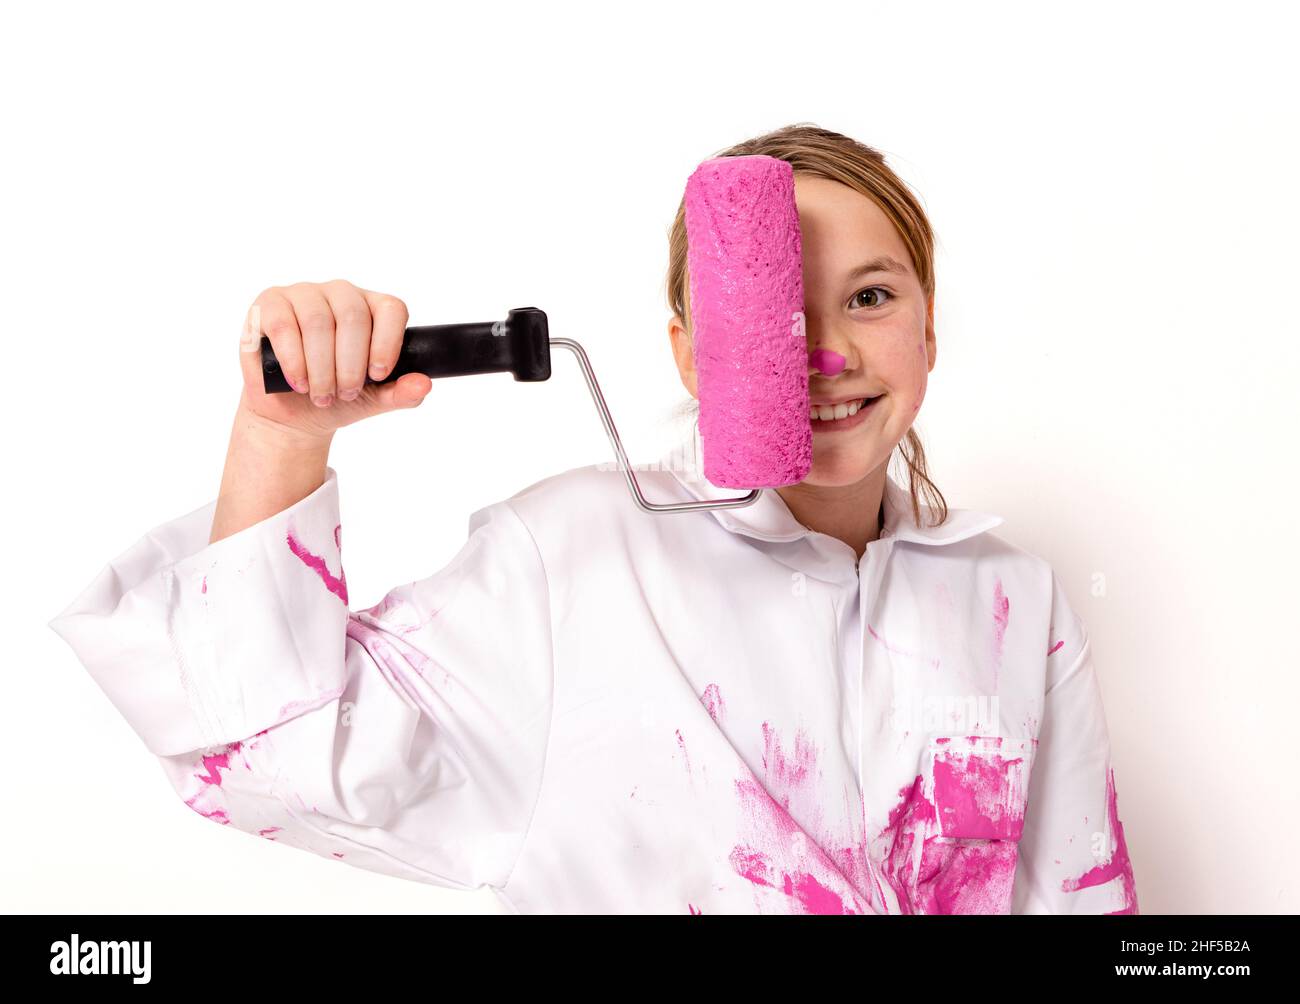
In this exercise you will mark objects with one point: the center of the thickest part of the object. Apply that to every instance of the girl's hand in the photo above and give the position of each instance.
(327, 337)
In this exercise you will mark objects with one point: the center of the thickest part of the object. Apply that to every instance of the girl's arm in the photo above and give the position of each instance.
(266, 472)
(1073, 856)
(407, 738)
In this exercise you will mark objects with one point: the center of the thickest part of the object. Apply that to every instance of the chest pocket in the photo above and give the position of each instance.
(979, 785)
(977, 790)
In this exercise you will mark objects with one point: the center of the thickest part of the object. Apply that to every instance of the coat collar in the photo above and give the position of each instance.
(769, 518)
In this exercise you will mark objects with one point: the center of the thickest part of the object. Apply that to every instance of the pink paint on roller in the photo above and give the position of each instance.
(827, 361)
(745, 264)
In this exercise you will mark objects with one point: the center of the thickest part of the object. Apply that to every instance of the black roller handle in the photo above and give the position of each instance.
(519, 345)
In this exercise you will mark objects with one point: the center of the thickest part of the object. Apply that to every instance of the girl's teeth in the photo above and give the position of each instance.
(828, 413)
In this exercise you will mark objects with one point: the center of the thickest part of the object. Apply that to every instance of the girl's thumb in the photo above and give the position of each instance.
(406, 391)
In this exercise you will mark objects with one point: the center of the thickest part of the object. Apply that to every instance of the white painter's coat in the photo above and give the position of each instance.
(596, 709)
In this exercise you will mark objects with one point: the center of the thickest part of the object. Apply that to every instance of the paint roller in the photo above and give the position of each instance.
(745, 264)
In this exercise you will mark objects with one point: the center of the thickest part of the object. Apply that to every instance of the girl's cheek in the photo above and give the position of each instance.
(913, 371)
(919, 393)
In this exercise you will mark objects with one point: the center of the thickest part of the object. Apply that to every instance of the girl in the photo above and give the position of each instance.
(840, 699)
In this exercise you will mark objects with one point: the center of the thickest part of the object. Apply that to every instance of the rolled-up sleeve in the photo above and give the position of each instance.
(1073, 855)
(408, 738)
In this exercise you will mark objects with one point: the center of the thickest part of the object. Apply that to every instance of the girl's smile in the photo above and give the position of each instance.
(841, 416)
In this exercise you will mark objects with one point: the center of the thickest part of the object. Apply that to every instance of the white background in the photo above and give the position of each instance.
(1113, 187)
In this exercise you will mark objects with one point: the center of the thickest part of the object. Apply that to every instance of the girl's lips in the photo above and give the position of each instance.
(848, 422)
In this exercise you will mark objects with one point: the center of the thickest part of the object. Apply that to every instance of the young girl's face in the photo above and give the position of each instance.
(879, 321)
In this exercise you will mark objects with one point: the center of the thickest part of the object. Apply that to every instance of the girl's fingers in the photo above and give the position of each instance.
(388, 326)
(316, 322)
(325, 337)
(352, 336)
(278, 322)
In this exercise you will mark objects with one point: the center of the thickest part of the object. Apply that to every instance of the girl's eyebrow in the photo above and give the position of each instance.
(883, 263)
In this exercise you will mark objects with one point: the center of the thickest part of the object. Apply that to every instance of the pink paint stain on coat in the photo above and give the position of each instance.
(779, 852)
(785, 772)
(951, 847)
(398, 616)
(336, 585)
(713, 703)
(216, 815)
(933, 876)
(983, 794)
(1001, 614)
(213, 764)
(294, 708)
(393, 652)
(782, 857)
(932, 660)
(1118, 865)
(681, 745)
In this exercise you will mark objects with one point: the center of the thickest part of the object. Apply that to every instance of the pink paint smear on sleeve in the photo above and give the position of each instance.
(338, 586)
(213, 764)
(1119, 866)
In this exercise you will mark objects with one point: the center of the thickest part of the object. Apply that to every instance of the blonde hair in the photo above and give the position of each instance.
(831, 155)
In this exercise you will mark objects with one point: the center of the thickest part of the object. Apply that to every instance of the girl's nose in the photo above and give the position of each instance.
(823, 359)
(826, 361)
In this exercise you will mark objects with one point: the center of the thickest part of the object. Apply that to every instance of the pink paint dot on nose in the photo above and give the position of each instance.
(827, 361)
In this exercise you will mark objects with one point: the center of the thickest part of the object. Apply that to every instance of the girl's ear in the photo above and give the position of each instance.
(683, 353)
(929, 332)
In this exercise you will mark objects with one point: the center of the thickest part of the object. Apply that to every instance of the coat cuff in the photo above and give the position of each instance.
(200, 644)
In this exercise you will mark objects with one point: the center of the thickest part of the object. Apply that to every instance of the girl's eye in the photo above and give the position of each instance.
(869, 290)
